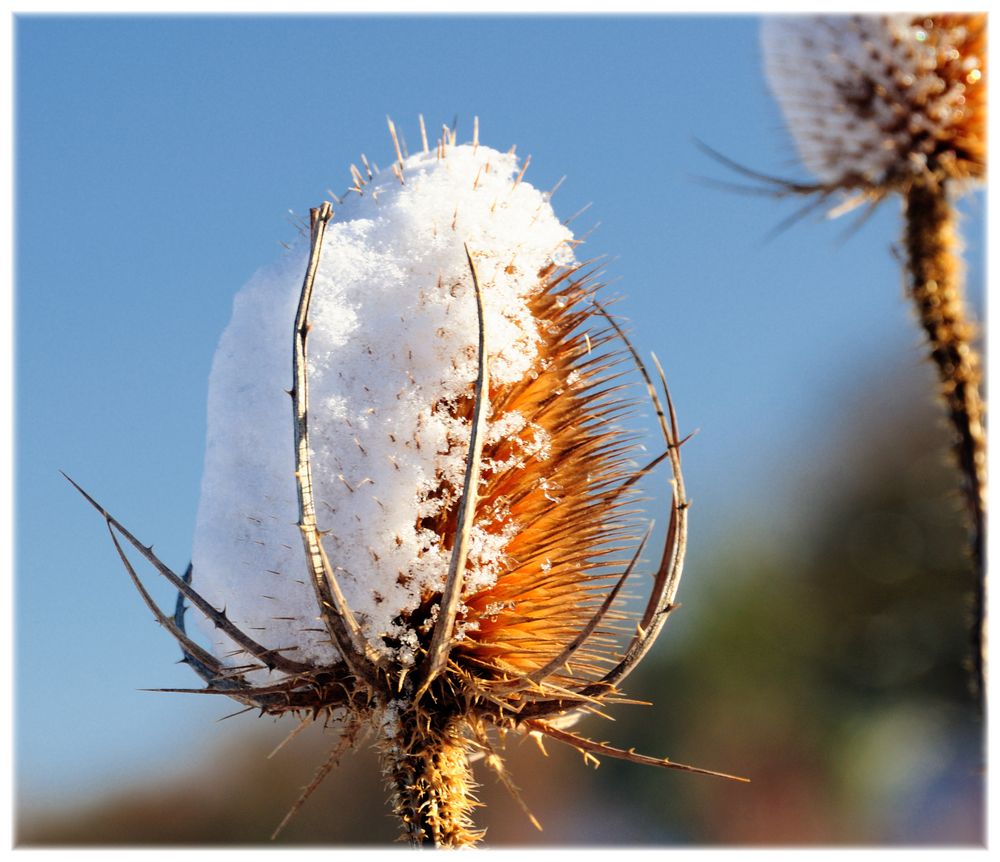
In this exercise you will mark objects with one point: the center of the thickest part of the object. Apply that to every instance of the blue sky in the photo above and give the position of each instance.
(157, 160)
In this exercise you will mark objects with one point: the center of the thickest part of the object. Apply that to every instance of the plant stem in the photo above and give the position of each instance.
(936, 280)
(426, 765)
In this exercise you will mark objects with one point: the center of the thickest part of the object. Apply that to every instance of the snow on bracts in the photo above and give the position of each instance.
(436, 544)
(875, 101)
(392, 364)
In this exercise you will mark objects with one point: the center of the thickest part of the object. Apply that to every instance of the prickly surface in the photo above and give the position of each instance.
(344, 609)
(426, 767)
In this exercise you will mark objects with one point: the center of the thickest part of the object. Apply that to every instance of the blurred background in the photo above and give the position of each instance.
(822, 647)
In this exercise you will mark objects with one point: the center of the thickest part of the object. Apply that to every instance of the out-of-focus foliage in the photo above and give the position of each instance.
(825, 658)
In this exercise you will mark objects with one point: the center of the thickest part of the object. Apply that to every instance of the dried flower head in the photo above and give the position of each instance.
(882, 105)
(434, 549)
(877, 102)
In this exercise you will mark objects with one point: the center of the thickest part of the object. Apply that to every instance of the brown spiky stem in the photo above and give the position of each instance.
(936, 284)
(426, 765)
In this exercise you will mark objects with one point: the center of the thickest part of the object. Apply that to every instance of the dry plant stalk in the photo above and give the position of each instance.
(884, 105)
(506, 613)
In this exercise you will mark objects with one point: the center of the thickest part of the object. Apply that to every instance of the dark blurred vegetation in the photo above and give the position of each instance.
(823, 653)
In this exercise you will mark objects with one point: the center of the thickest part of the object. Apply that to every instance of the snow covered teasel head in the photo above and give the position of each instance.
(876, 102)
(392, 367)
(436, 544)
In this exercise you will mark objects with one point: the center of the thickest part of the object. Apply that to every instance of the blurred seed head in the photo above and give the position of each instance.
(876, 102)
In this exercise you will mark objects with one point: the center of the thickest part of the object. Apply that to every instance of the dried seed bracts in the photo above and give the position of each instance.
(420, 499)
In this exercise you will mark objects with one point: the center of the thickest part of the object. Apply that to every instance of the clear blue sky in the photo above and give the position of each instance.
(156, 162)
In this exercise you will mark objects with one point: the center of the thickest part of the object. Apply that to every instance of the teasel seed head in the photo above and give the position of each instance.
(434, 550)
(875, 103)
(392, 367)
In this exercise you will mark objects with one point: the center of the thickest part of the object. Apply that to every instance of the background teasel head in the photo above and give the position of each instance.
(876, 103)
(897, 104)
(434, 550)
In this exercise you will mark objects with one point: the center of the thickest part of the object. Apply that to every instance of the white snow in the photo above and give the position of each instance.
(393, 343)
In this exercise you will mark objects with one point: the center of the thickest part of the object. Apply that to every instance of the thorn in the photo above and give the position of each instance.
(520, 176)
(578, 213)
(423, 133)
(555, 188)
(540, 742)
(395, 140)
